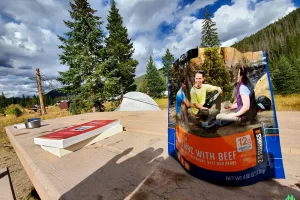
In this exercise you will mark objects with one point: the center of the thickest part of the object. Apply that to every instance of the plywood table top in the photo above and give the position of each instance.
(134, 164)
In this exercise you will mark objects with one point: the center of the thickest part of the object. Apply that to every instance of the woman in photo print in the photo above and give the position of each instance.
(244, 110)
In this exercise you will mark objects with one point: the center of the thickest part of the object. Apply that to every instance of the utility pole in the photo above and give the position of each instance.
(40, 91)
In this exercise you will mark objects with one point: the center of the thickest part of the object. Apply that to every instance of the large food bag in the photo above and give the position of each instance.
(210, 143)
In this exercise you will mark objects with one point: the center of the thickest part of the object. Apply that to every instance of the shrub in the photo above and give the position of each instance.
(14, 110)
(2, 110)
(75, 107)
(78, 106)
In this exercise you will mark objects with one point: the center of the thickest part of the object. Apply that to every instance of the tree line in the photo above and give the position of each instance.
(25, 102)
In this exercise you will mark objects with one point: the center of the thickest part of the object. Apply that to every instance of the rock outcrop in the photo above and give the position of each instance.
(231, 56)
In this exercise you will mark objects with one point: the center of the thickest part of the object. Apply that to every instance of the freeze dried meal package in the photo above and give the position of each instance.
(222, 124)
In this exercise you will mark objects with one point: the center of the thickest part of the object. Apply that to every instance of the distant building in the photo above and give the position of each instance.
(64, 104)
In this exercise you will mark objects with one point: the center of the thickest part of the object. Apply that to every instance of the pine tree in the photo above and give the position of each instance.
(167, 60)
(209, 32)
(46, 99)
(13, 100)
(216, 73)
(143, 86)
(286, 79)
(3, 103)
(28, 102)
(120, 47)
(52, 101)
(90, 77)
(34, 100)
(23, 101)
(155, 84)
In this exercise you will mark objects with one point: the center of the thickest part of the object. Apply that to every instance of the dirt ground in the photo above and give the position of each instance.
(23, 187)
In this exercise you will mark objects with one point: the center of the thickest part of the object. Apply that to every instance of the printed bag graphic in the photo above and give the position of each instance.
(222, 119)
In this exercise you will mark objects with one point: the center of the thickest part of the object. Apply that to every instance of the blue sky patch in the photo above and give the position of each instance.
(212, 8)
(164, 30)
(7, 18)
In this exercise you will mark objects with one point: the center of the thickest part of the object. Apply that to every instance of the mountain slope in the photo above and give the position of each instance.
(55, 94)
(281, 41)
(282, 38)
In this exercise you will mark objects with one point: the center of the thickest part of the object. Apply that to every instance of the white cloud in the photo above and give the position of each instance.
(25, 48)
(158, 64)
(145, 15)
(240, 20)
(28, 37)
(230, 42)
(42, 13)
(194, 7)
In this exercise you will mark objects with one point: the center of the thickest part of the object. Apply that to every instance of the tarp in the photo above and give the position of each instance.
(223, 145)
(137, 101)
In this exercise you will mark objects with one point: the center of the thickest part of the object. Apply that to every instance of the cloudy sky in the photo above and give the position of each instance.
(29, 29)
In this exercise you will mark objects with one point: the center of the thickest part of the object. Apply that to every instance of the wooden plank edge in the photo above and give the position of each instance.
(11, 191)
(32, 170)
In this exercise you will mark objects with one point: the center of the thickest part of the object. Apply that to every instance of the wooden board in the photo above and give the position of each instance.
(70, 149)
(134, 164)
(6, 190)
(53, 176)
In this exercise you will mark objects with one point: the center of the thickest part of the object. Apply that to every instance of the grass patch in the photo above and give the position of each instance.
(111, 105)
(287, 103)
(162, 103)
(52, 112)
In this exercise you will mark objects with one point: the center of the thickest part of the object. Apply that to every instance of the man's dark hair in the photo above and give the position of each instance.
(200, 72)
(182, 80)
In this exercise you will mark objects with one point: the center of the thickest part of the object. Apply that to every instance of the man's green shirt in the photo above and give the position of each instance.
(198, 95)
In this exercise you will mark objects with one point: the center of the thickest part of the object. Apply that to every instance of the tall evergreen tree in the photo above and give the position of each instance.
(90, 77)
(167, 60)
(23, 101)
(46, 99)
(286, 79)
(216, 73)
(28, 101)
(155, 84)
(3, 103)
(120, 47)
(13, 100)
(34, 100)
(209, 32)
(143, 86)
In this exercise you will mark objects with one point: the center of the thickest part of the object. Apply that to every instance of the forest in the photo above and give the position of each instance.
(281, 41)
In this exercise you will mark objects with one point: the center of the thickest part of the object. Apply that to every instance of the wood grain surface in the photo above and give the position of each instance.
(134, 164)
